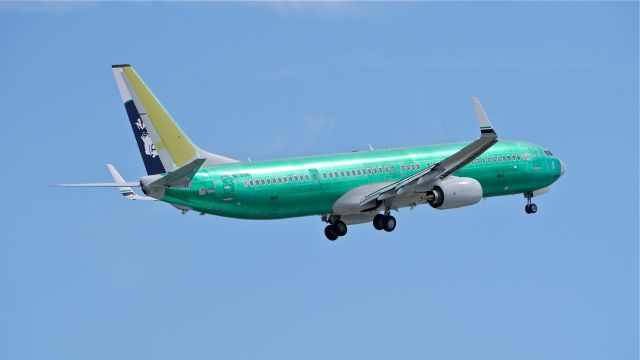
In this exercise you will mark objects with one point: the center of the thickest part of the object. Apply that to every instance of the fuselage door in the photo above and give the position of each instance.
(206, 192)
(228, 184)
(314, 177)
(390, 171)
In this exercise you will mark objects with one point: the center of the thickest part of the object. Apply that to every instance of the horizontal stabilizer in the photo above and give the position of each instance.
(129, 184)
(180, 177)
(125, 191)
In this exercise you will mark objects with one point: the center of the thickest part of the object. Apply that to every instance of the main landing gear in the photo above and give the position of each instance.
(338, 228)
(530, 208)
(335, 229)
(384, 222)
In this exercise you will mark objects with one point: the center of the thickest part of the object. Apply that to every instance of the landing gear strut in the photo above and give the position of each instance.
(335, 229)
(530, 208)
(384, 222)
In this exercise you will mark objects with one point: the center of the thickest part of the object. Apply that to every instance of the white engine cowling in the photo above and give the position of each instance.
(454, 192)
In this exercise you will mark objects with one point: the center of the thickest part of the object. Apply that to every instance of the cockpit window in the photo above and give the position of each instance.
(547, 152)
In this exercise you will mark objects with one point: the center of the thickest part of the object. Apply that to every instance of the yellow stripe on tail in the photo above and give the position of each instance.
(172, 143)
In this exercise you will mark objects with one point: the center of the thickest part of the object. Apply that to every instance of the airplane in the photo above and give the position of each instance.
(343, 189)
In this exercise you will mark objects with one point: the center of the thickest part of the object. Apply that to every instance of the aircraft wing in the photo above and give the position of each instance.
(425, 180)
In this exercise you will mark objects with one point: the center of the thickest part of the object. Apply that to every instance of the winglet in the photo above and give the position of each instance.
(483, 119)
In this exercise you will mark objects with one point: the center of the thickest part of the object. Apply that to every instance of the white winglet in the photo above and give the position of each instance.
(483, 119)
(125, 190)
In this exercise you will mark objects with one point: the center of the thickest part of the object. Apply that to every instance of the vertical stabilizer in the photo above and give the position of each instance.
(153, 125)
(146, 146)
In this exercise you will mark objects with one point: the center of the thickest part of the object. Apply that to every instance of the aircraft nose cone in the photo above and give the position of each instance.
(563, 167)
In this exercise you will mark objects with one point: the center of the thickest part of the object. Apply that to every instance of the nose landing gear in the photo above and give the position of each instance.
(530, 208)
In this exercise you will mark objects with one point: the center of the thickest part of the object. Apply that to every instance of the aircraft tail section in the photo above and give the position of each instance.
(146, 146)
(163, 145)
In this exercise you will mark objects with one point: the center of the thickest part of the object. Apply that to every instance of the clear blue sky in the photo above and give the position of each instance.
(87, 275)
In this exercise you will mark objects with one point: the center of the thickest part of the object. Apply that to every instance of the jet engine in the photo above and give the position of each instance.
(454, 192)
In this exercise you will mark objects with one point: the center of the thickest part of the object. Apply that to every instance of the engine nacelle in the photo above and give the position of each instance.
(455, 192)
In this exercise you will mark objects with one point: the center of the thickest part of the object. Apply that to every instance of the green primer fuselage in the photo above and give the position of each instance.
(314, 183)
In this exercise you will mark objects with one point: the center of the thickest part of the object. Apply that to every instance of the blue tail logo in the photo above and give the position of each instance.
(145, 145)
(149, 147)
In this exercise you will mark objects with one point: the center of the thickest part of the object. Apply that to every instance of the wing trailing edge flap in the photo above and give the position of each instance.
(351, 201)
(425, 180)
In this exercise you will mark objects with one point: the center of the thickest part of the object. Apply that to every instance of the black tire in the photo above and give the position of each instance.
(527, 209)
(340, 228)
(330, 233)
(533, 208)
(389, 223)
(378, 222)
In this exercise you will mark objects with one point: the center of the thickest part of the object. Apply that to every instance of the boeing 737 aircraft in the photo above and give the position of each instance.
(343, 189)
